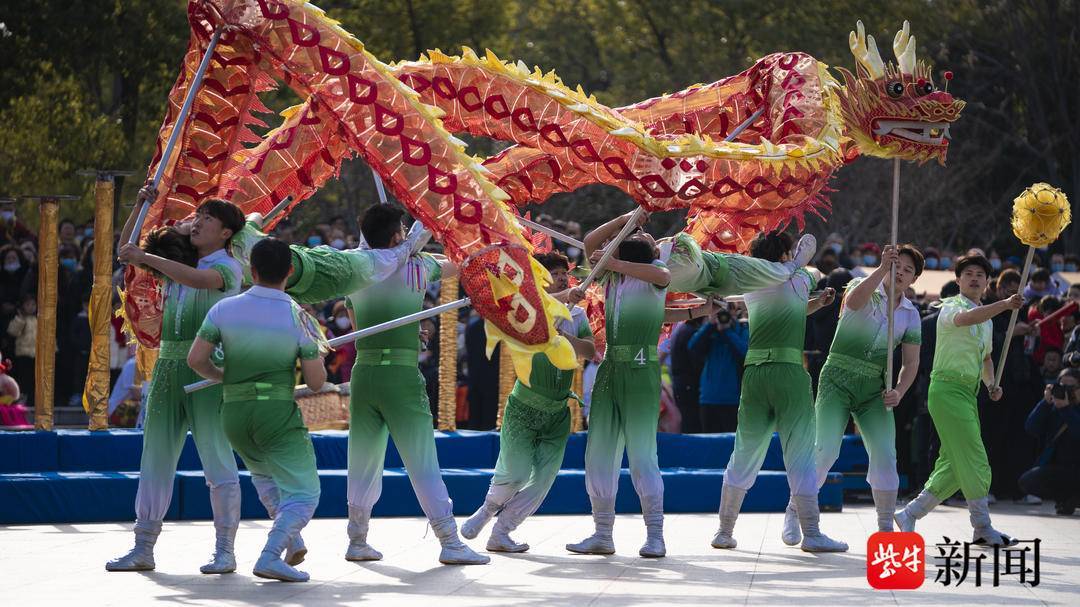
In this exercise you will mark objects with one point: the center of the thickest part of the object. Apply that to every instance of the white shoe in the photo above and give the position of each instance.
(358, 549)
(271, 567)
(454, 552)
(792, 534)
(915, 510)
(141, 557)
(1030, 500)
(600, 542)
(296, 551)
(361, 551)
(809, 516)
(804, 250)
(723, 541)
(479, 519)
(500, 541)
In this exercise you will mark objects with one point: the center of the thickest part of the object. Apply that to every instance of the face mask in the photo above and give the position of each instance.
(88, 233)
(931, 263)
(342, 322)
(338, 244)
(7, 215)
(869, 260)
(1070, 267)
(69, 263)
(995, 264)
(573, 252)
(836, 247)
(945, 263)
(1057, 267)
(12, 267)
(314, 241)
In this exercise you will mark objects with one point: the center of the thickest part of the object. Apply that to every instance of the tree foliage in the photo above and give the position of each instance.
(88, 88)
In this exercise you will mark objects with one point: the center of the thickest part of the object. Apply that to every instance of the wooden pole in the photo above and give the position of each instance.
(1012, 322)
(892, 276)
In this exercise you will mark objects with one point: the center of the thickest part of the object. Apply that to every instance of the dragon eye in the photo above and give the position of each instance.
(895, 89)
(927, 88)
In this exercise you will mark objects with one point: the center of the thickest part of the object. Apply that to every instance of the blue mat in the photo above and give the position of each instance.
(72, 497)
(120, 450)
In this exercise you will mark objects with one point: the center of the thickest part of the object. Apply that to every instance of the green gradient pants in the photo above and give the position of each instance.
(531, 446)
(170, 412)
(624, 413)
(775, 397)
(846, 388)
(391, 400)
(271, 438)
(962, 462)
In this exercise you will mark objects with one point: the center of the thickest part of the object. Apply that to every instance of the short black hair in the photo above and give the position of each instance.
(1040, 275)
(271, 260)
(1049, 304)
(553, 260)
(771, 246)
(950, 289)
(169, 243)
(636, 250)
(1053, 349)
(230, 215)
(973, 260)
(379, 224)
(915, 255)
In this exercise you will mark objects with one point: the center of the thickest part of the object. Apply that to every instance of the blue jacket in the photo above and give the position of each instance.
(720, 379)
(1044, 423)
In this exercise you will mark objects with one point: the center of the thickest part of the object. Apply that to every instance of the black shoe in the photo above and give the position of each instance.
(1065, 507)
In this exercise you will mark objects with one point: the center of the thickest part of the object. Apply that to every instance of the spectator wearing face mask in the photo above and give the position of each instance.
(11, 277)
(1072, 263)
(835, 243)
(1040, 285)
(24, 329)
(933, 259)
(827, 261)
(340, 363)
(995, 261)
(1055, 423)
(67, 233)
(314, 239)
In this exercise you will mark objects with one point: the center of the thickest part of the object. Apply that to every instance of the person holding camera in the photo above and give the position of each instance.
(724, 338)
(1055, 422)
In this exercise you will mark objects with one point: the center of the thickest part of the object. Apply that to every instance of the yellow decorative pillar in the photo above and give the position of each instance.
(577, 419)
(95, 399)
(448, 357)
(45, 356)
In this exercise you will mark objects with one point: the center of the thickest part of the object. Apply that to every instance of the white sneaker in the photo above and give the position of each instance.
(804, 250)
(1029, 500)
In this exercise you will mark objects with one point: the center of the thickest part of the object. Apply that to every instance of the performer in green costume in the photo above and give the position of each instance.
(535, 427)
(262, 334)
(776, 395)
(961, 359)
(189, 294)
(388, 396)
(852, 380)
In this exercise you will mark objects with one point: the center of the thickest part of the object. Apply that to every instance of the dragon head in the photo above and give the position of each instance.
(894, 110)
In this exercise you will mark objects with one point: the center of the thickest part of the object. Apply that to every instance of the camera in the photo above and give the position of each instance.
(1061, 392)
(723, 317)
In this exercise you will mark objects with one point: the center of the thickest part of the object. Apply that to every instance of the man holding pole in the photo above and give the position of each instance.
(189, 294)
(961, 359)
(853, 380)
(776, 395)
(389, 396)
(535, 427)
(262, 333)
(626, 394)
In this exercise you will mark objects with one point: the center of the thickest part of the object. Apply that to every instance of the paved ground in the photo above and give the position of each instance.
(63, 564)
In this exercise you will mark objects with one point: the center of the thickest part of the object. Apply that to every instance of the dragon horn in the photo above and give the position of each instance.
(904, 48)
(866, 52)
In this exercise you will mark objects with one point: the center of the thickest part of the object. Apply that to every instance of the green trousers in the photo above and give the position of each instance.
(624, 413)
(391, 400)
(170, 413)
(961, 462)
(775, 397)
(531, 446)
(853, 388)
(271, 438)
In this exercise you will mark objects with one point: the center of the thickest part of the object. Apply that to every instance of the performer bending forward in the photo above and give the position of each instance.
(170, 412)
(961, 357)
(262, 333)
(388, 395)
(852, 380)
(776, 395)
(535, 427)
